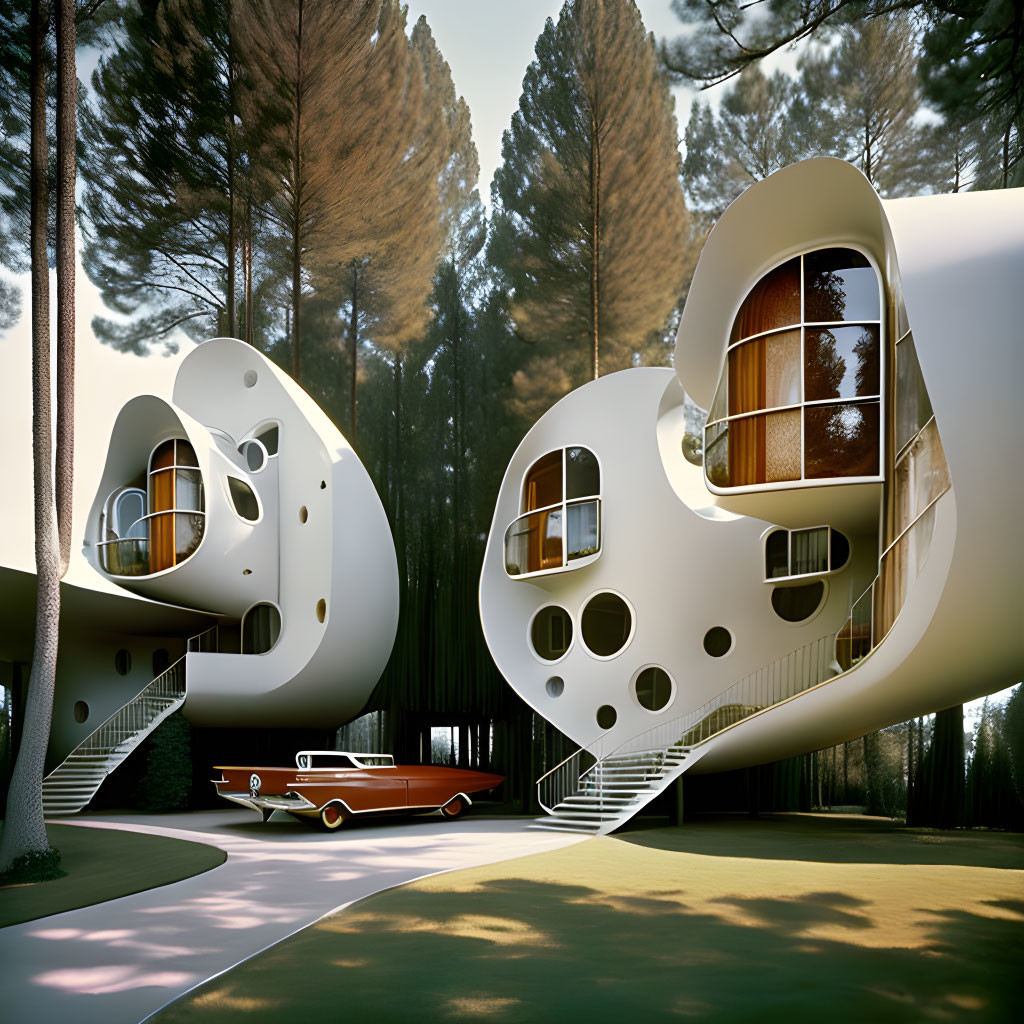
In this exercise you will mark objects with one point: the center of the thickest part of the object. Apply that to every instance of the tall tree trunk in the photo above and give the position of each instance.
(249, 330)
(24, 829)
(595, 242)
(353, 344)
(67, 95)
(230, 154)
(297, 205)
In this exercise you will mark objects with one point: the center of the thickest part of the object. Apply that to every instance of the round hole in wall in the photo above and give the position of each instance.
(653, 688)
(606, 624)
(794, 604)
(255, 454)
(321, 610)
(250, 378)
(123, 662)
(323, 485)
(247, 572)
(555, 685)
(551, 632)
(303, 514)
(717, 641)
(161, 661)
(606, 716)
(81, 711)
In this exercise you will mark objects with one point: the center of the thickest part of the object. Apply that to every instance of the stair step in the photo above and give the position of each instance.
(567, 825)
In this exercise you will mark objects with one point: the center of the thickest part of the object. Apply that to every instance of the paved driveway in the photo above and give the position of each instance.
(119, 962)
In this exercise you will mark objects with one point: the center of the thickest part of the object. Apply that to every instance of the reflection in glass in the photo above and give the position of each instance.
(853, 642)
(773, 302)
(901, 565)
(782, 369)
(543, 484)
(582, 537)
(188, 532)
(534, 543)
(188, 494)
(922, 474)
(184, 454)
(841, 440)
(913, 407)
(839, 284)
(582, 475)
(606, 622)
(842, 362)
(551, 632)
(716, 454)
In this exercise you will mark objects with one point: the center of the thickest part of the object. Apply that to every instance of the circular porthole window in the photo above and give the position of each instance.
(653, 688)
(123, 662)
(717, 641)
(606, 716)
(555, 686)
(255, 454)
(606, 624)
(81, 711)
(795, 604)
(551, 632)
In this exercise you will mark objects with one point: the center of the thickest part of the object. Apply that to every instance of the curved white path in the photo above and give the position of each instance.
(120, 961)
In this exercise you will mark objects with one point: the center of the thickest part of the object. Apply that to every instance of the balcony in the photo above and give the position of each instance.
(554, 539)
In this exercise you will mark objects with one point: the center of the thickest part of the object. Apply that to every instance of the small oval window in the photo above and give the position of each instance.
(555, 686)
(717, 641)
(123, 662)
(255, 455)
(243, 497)
(653, 688)
(606, 624)
(607, 716)
(261, 627)
(794, 604)
(81, 711)
(551, 632)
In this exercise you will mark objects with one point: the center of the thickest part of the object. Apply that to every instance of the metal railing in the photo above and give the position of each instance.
(771, 684)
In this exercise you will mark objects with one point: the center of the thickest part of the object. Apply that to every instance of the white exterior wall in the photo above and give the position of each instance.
(958, 263)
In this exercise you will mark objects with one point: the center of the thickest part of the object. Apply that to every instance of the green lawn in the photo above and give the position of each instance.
(788, 918)
(102, 864)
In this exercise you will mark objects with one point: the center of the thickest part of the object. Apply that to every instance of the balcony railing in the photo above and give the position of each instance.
(551, 539)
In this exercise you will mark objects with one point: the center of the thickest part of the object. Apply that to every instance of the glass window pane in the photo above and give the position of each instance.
(746, 377)
(773, 302)
(551, 632)
(794, 604)
(606, 623)
(163, 456)
(188, 532)
(842, 362)
(776, 554)
(161, 537)
(716, 454)
(922, 474)
(653, 688)
(913, 407)
(129, 508)
(720, 406)
(782, 369)
(582, 529)
(243, 499)
(543, 484)
(261, 628)
(534, 542)
(746, 451)
(782, 446)
(185, 454)
(188, 490)
(269, 437)
(582, 475)
(809, 551)
(841, 440)
(839, 284)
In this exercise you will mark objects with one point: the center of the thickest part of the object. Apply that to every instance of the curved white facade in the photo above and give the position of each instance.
(261, 513)
(926, 508)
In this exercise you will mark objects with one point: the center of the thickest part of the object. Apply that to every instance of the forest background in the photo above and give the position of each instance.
(303, 174)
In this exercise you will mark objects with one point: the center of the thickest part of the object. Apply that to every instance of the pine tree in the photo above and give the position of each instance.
(590, 226)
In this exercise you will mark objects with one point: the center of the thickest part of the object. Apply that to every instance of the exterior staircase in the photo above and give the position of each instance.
(615, 788)
(70, 786)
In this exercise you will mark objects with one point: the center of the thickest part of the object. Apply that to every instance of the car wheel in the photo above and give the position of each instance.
(454, 808)
(331, 817)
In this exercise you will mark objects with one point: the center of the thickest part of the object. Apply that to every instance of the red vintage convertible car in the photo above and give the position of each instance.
(333, 785)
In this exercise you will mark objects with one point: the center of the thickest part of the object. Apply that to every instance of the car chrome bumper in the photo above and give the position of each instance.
(270, 801)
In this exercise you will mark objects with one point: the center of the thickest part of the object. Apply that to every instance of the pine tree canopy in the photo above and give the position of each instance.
(590, 226)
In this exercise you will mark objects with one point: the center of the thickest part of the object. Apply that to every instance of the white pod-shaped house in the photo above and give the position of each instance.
(829, 549)
(240, 498)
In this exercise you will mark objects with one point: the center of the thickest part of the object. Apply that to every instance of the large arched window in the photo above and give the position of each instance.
(177, 516)
(560, 527)
(799, 397)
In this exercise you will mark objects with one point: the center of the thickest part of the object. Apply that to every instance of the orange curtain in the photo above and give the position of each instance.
(161, 499)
